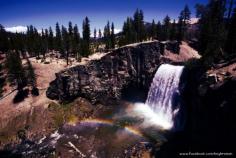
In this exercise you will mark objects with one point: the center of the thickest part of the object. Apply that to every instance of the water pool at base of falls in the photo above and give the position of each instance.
(120, 135)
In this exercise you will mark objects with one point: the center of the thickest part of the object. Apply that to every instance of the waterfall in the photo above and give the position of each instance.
(163, 95)
(163, 102)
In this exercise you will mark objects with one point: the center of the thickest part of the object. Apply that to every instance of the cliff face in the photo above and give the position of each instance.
(102, 80)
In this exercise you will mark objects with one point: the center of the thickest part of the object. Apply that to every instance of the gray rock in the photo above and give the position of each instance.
(102, 80)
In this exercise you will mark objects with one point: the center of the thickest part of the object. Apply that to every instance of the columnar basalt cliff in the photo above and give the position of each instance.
(100, 80)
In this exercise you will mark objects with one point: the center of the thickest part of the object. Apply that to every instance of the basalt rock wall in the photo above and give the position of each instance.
(103, 79)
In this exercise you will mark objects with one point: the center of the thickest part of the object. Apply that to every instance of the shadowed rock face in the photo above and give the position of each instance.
(210, 107)
(102, 80)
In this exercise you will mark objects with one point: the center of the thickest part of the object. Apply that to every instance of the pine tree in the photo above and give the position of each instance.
(100, 37)
(173, 31)
(183, 23)
(153, 33)
(65, 43)
(70, 28)
(50, 39)
(129, 34)
(159, 30)
(139, 25)
(95, 34)
(113, 39)
(186, 14)
(44, 43)
(70, 38)
(58, 40)
(95, 39)
(99, 34)
(30, 40)
(212, 31)
(166, 28)
(17, 42)
(4, 44)
(180, 36)
(200, 10)
(76, 41)
(37, 43)
(85, 45)
(46, 39)
(231, 38)
(15, 69)
(107, 35)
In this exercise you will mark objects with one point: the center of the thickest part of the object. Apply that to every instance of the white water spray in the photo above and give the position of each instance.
(162, 104)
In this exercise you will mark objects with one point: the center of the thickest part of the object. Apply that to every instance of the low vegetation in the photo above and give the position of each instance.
(42, 121)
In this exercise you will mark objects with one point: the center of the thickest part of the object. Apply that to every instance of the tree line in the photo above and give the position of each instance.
(215, 33)
(68, 41)
(215, 36)
(135, 29)
(217, 30)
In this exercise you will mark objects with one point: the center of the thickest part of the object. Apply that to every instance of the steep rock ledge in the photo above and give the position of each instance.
(102, 80)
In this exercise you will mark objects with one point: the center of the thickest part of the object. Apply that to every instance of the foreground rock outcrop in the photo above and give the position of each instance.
(212, 108)
(102, 80)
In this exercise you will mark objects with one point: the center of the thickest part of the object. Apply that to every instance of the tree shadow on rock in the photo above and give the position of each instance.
(35, 91)
(21, 95)
(2, 83)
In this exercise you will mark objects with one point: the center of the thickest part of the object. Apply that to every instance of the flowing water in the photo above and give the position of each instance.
(117, 134)
(139, 122)
(163, 97)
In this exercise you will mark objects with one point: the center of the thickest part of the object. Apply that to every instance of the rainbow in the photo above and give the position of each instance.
(98, 121)
(133, 131)
(129, 129)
